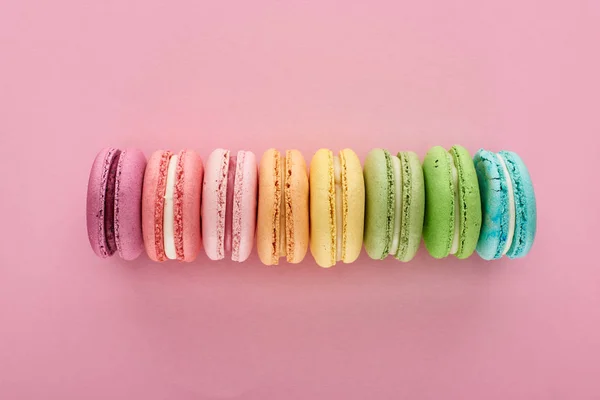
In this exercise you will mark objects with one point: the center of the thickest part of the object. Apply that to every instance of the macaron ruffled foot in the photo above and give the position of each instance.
(452, 203)
(171, 205)
(508, 205)
(229, 198)
(282, 220)
(337, 204)
(114, 221)
(394, 204)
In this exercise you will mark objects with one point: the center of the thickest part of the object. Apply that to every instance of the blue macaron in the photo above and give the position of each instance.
(507, 203)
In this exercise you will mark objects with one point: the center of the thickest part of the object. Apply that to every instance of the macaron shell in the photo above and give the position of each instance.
(469, 202)
(494, 205)
(413, 206)
(214, 193)
(353, 184)
(438, 227)
(296, 214)
(246, 190)
(95, 203)
(525, 205)
(192, 175)
(379, 203)
(128, 204)
(323, 235)
(268, 214)
(153, 204)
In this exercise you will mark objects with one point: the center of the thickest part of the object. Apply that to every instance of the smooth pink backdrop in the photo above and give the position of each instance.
(76, 76)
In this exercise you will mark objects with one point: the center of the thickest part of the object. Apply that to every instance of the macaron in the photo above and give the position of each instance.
(114, 222)
(394, 205)
(282, 220)
(228, 207)
(452, 203)
(171, 205)
(508, 205)
(337, 207)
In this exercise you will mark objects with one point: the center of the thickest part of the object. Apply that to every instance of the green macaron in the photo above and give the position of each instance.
(453, 205)
(394, 204)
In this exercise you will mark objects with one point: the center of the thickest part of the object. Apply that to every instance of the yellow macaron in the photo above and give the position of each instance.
(337, 207)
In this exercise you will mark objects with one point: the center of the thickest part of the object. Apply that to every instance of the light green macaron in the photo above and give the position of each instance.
(453, 205)
(394, 204)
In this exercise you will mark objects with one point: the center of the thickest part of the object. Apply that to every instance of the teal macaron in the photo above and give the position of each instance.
(452, 203)
(394, 204)
(508, 205)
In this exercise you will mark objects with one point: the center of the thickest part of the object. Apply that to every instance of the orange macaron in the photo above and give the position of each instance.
(282, 221)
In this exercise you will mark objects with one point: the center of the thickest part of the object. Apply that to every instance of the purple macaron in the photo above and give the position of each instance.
(114, 197)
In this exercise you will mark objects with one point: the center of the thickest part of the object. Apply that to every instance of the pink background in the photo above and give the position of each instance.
(77, 76)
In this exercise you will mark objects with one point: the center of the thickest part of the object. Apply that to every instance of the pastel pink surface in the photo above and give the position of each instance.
(79, 76)
(245, 197)
(192, 195)
(128, 203)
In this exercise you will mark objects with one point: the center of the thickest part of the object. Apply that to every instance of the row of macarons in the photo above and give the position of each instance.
(173, 205)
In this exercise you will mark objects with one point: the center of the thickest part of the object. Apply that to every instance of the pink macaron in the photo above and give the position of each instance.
(171, 205)
(114, 222)
(229, 204)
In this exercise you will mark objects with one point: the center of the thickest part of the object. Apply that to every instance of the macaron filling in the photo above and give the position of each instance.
(511, 205)
(397, 170)
(282, 214)
(116, 204)
(109, 204)
(339, 204)
(456, 237)
(169, 210)
(231, 175)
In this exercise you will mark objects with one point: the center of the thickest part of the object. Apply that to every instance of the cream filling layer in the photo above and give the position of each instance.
(511, 206)
(397, 205)
(282, 211)
(339, 206)
(168, 216)
(456, 238)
